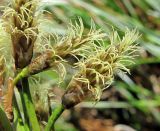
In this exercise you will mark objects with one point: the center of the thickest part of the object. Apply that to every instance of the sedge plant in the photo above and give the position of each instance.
(25, 51)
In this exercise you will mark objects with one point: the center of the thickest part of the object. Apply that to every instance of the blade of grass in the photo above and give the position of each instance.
(29, 107)
(54, 116)
(4, 121)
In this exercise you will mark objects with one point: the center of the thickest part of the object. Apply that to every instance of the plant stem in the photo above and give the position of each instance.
(18, 123)
(54, 116)
(4, 121)
(21, 75)
(29, 107)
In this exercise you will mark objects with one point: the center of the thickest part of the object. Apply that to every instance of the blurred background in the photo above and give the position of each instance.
(133, 101)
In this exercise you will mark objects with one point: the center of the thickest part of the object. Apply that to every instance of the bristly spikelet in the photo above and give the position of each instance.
(3, 52)
(98, 70)
(6, 52)
(6, 72)
(20, 21)
(76, 41)
(6, 89)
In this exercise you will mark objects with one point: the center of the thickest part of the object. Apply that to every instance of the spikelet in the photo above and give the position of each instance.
(40, 63)
(2, 62)
(20, 21)
(76, 41)
(7, 99)
(6, 53)
(6, 72)
(98, 70)
(6, 90)
(75, 44)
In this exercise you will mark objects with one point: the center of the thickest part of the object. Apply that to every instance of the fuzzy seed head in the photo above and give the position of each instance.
(76, 41)
(20, 21)
(97, 71)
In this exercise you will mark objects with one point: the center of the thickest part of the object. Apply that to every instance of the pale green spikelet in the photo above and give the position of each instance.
(6, 51)
(5, 44)
(3, 60)
(75, 44)
(77, 41)
(97, 71)
(6, 72)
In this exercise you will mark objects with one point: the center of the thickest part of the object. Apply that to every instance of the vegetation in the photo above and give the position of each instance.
(58, 54)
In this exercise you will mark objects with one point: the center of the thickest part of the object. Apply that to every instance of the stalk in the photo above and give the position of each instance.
(20, 75)
(29, 107)
(56, 113)
(18, 123)
(38, 65)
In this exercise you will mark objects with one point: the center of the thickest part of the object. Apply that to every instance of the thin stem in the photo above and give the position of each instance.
(38, 65)
(29, 107)
(4, 121)
(54, 116)
(21, 75)
(19, 123)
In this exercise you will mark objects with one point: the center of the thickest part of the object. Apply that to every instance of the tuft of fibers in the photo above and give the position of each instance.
(20, 21)
(97, 71)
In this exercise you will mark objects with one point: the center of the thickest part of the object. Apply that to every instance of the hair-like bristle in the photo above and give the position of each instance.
(98, 70)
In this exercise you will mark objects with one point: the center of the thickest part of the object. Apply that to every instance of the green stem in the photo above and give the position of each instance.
(54, 116)
(21, 75)
(38, 65)
(4, 122)
(29, 107)
(19, 123)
